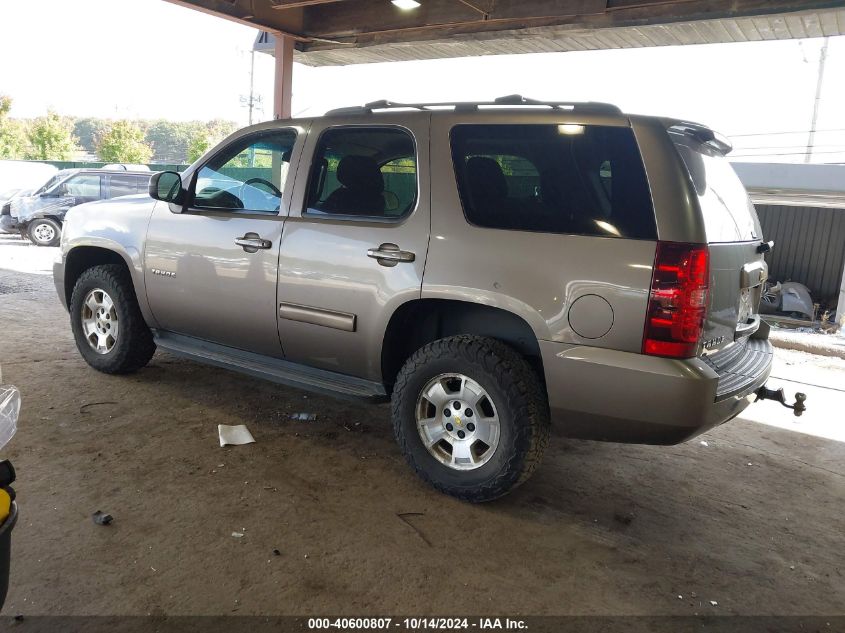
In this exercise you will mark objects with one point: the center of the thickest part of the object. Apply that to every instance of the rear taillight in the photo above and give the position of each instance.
(677, 304)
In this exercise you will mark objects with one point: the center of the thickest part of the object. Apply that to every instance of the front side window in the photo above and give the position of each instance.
(248, 175)
(84, 186)
(365, 172)
(577, 179)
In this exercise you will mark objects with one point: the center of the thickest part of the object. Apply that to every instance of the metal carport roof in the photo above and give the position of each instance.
(337, 32)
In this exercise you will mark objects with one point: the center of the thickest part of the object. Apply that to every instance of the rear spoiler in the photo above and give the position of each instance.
(700, 133)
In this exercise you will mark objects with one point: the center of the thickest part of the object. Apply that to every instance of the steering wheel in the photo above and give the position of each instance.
(274, 189)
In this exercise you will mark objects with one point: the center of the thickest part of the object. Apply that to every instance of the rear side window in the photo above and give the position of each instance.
(579, 179)
(729, 215)
(127, 185)
(366, 172)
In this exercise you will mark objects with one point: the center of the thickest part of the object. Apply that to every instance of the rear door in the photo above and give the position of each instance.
(354, 246)
(737, 270)
(122, 185)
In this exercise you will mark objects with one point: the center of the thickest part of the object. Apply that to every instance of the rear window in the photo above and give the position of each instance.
(728, 213)
(578, 179)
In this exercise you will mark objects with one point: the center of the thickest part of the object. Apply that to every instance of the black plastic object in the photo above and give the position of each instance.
(763, 393)
(7, 473)
(765, 247)
(6, 550)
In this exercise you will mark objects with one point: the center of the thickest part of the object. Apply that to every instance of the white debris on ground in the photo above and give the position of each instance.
(21, 255)
(234, 435)
(810, 342)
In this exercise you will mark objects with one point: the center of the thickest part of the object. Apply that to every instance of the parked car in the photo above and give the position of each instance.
(19, 178)
(39, 216)
(22, 174)
(126, 167)
(493, 269)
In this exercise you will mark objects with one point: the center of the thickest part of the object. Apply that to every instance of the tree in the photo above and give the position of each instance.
(51, 138)
(197, 147)
(12, 132)
(88, 131)
(124, 143)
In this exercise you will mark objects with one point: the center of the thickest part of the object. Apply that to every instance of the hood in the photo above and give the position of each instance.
(110, 208)
(27, 207)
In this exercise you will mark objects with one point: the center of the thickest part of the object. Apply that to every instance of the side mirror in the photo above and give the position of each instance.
(167, 187)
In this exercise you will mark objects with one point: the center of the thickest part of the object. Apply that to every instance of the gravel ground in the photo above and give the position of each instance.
(748, 516)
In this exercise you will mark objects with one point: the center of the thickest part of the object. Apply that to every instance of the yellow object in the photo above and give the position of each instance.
(5, 504)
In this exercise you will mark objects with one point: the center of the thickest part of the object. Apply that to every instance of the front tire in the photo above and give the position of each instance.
(44, 232)
(107, 324)
(470, 416)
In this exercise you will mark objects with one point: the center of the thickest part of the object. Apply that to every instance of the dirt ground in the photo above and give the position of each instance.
(333, 522)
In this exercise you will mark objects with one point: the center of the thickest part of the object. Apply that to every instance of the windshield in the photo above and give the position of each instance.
(51, 183)
(728, 213)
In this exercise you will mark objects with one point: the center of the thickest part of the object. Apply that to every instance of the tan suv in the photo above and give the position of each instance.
(492, 268)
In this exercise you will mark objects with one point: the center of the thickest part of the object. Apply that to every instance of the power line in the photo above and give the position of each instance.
(842, 151)
(743, 149)
(779, 133)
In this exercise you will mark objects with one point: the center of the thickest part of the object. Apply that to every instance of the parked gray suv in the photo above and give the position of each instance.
(491, 268)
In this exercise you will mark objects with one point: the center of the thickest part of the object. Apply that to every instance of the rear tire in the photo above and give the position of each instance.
(44, 232)
(107, 323)
(457, 392)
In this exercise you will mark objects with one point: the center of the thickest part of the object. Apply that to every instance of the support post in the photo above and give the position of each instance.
(284, 77)
(840, 307)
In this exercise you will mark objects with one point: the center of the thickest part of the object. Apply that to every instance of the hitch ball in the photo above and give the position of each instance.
(763, 393)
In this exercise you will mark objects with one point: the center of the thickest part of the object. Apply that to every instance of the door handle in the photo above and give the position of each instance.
(389, 254)
(252, 242)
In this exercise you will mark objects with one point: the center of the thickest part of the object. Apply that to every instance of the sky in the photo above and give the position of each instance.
(152, 59)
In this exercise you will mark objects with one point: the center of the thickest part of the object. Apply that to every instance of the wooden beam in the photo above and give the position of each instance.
(297, 4)
(371, 22)
(200, 5)
(283, 86)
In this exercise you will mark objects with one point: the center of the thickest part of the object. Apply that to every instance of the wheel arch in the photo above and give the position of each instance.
(81, 258)
(421, 321)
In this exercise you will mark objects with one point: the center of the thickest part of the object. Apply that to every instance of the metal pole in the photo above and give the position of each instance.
(812, 138)
(251, 84)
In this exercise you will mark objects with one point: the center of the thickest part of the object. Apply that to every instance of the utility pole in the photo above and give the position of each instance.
(252, 83)
(811, 140)
(252, 101)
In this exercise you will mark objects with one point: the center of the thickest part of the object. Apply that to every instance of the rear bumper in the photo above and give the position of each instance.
(603, 394)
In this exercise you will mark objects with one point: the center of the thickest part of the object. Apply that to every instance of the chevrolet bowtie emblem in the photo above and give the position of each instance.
(457, 420)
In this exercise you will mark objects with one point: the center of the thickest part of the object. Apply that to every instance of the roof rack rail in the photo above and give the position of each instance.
(464, 106)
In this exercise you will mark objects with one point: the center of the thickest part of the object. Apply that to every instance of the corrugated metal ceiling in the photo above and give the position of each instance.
(816, 23)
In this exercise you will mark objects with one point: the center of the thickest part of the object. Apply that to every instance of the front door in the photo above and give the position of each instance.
(355, 243)
(210, 270)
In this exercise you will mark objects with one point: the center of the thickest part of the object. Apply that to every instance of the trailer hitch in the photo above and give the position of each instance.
(777, 395)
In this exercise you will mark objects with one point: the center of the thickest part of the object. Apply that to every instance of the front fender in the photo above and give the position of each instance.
(117, 226)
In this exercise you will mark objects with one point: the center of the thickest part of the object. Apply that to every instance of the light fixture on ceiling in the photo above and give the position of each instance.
(406, 5)
(570, 129)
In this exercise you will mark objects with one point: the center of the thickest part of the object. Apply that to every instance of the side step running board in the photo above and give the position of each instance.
(272, 369)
